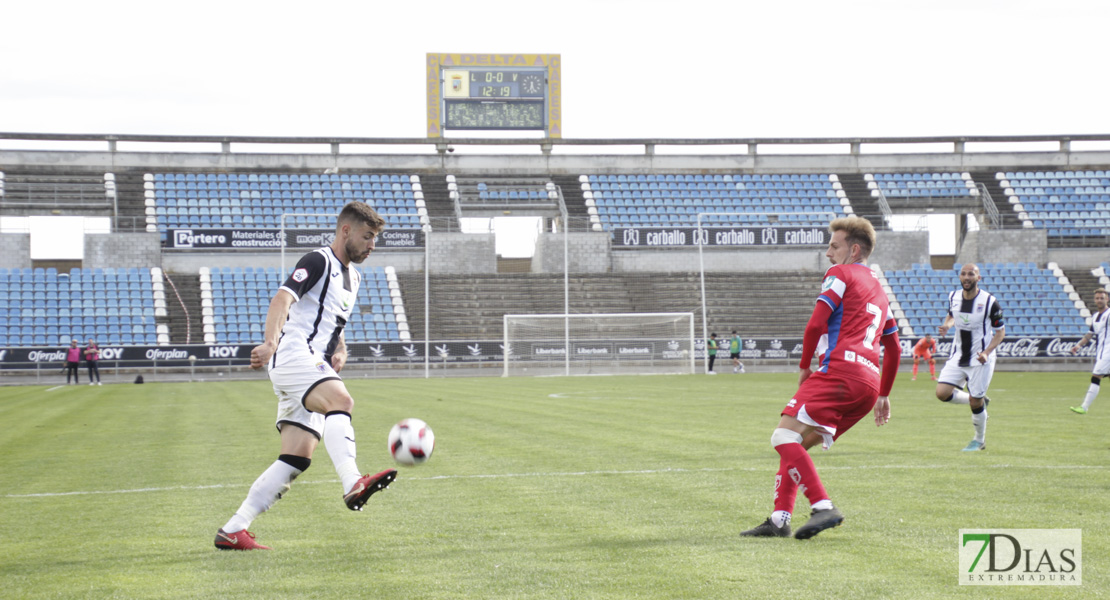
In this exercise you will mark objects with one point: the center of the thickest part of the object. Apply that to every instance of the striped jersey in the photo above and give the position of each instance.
(976, 321)
(325, 293)
(1102, 335)
(860, 318)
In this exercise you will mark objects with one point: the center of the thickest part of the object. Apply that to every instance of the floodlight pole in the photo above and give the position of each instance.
(427, 312)
(566, 288)
(701, 271)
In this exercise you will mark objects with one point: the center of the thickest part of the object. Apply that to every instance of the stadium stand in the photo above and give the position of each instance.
(1035, 301)
(470, 292)
(922, 185)
(1098, 277)
(246, 200)
(31, 193)
(504, 192)
(761, 304)
(1102, 275)
(234, 302)
(41, 307)
(671, 200)
(1068, 204)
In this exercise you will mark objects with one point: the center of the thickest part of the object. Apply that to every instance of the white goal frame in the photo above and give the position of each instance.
(685, 359)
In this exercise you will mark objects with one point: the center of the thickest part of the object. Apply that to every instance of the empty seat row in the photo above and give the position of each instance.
(1032, 298)
(44, 307)
(249, 200)
(1011, 175)
(240, 298)
(701, 178)
(280, 177)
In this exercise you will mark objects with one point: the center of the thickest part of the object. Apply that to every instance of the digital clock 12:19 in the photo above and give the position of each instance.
(492, 91)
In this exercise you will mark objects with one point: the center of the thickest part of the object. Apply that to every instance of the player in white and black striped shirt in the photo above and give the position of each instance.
(979, 328)
(1101, 335)
(304, 351)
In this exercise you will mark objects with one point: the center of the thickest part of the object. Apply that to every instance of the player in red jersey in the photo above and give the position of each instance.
(853, 310)
(924, 349)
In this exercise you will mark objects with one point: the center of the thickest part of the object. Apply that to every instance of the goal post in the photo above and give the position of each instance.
(599, 344)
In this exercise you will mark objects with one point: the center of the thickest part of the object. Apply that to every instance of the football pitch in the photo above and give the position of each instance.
(588, 487)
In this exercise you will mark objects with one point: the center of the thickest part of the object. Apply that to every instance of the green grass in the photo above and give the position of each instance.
(594, 487)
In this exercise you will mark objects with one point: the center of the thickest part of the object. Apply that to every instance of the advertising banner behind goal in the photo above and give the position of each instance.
(599, 344)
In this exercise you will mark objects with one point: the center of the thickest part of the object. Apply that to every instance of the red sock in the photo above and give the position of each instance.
(786, 487)
(915, 368)
(933, 369)
(795, 462)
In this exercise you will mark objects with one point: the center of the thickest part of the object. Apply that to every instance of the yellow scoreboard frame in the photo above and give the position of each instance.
(454, 66)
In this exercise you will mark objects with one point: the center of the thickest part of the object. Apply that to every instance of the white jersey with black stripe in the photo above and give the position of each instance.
(325, 293)
(1101, 335)
(976, 321)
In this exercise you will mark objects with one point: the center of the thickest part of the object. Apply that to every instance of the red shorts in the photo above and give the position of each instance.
(833, 403)
(924, 355)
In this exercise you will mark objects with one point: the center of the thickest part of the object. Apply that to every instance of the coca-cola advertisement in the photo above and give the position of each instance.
(1017, 347)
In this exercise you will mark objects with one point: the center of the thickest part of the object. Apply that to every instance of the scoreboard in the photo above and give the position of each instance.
(494, 98)
(504, 83)
(494, 92)
(485, 114)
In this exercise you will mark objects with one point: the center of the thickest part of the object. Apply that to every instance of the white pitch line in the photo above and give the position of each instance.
(57, 387)
(132, 491)
(559, 474)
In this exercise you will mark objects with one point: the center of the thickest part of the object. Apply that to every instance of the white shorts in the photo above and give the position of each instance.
(978, 377)
(1102, 367)
(293, 378)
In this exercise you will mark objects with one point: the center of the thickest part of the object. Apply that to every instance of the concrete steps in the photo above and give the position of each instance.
(863, 203)
(184, 322)
(473, 307)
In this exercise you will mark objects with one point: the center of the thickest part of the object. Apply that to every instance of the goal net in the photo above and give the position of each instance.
(599, 344)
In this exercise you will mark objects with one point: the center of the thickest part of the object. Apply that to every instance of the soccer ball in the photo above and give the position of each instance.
(411, 442)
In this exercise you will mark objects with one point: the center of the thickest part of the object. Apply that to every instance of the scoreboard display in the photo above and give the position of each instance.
(494, 99)
(498, 84)
(485, 114)
(494, 92)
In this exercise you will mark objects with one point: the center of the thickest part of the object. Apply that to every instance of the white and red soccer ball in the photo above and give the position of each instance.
(411, 442)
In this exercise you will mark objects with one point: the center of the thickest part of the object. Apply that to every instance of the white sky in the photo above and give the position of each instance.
(630, 68)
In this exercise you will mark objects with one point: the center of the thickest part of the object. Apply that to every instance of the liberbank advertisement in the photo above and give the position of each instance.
(254, 239)
(486, 351)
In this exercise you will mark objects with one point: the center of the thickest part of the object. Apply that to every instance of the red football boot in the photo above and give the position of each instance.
(366, 486)
(240, 540)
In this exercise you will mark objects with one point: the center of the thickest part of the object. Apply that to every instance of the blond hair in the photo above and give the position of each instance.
(857, 230)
